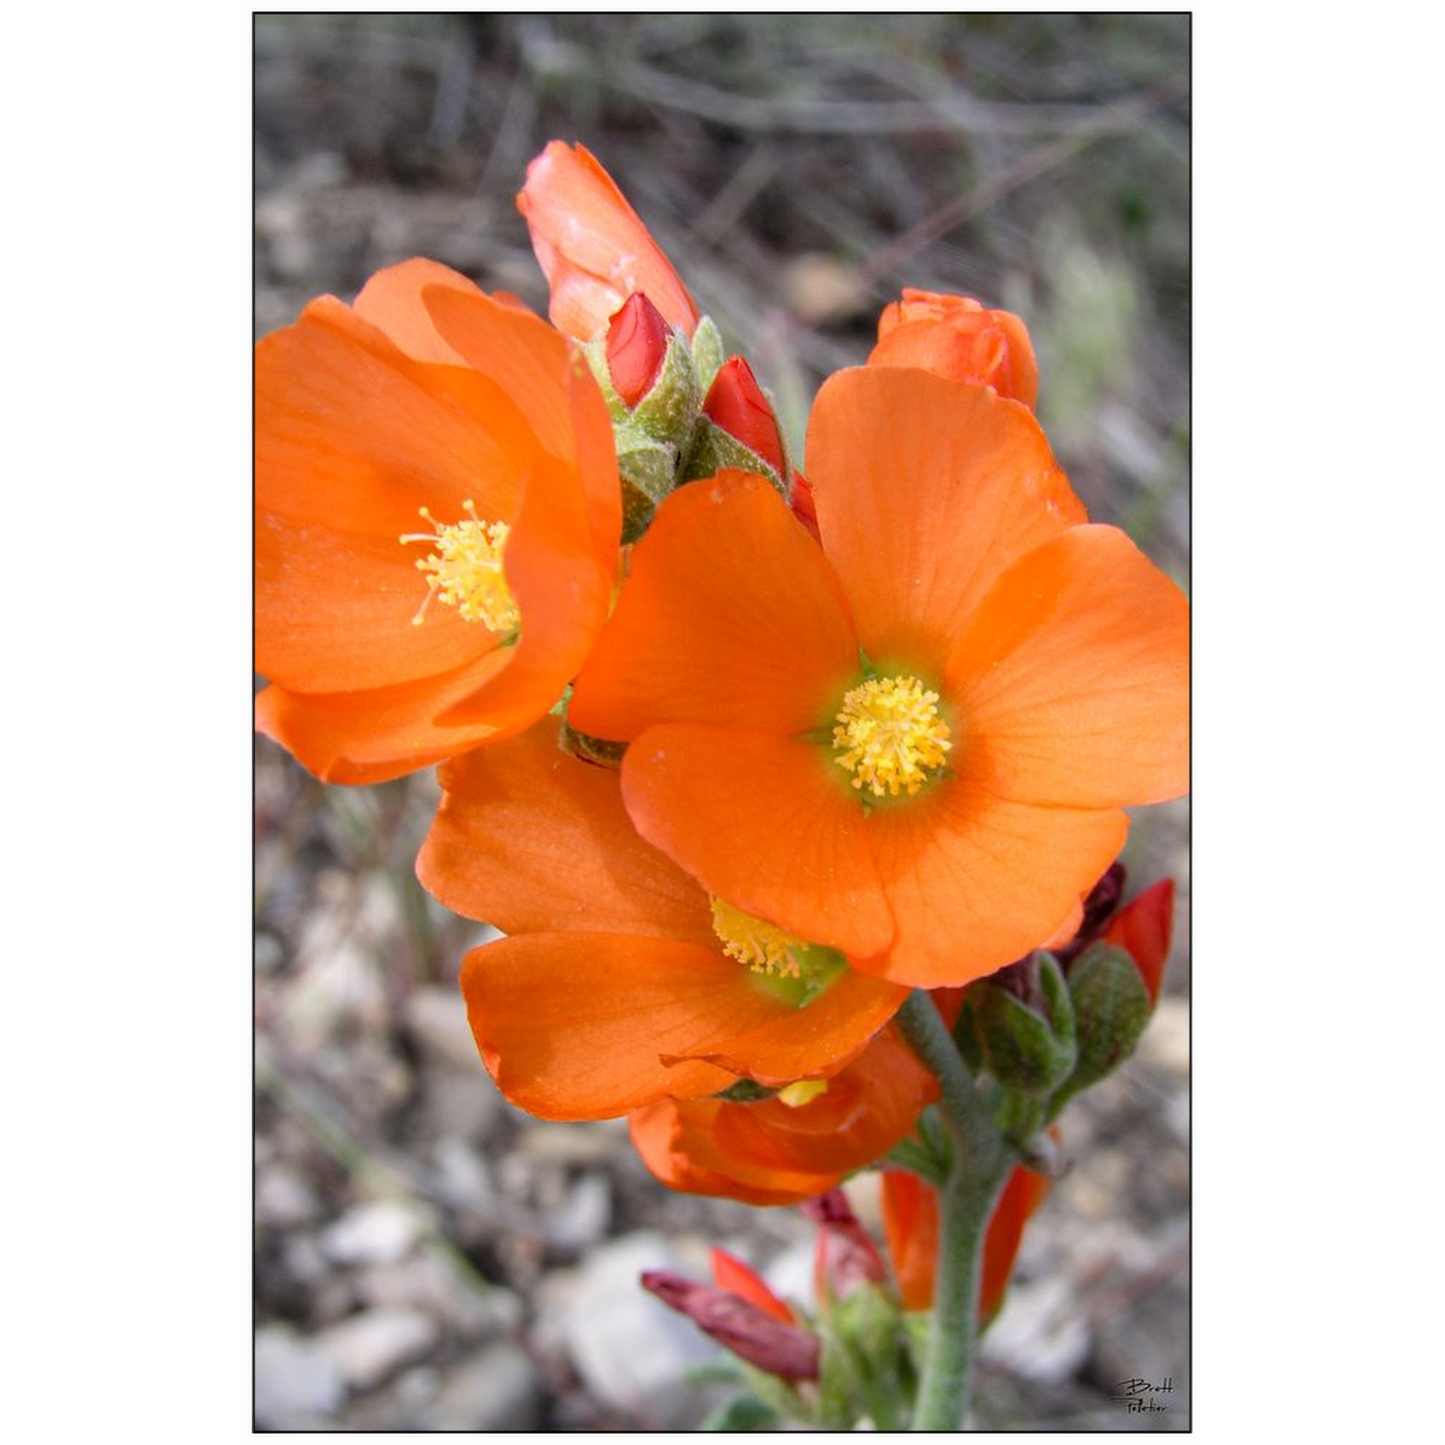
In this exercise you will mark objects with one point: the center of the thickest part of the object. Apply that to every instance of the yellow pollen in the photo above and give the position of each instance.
(465, 568)
(889, 735)
(802, 1091)
(762, 946)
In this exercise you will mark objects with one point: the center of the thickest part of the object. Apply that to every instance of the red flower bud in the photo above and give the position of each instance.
(782, 1350)
(845, 1257)
(731, 1274)
(803, 508)
(637, 338)
(735, 402)
(1142, 928)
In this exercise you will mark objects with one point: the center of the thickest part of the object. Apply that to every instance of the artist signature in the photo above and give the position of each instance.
(1138, 1396)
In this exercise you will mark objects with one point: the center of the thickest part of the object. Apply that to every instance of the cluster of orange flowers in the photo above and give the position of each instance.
(733, 757)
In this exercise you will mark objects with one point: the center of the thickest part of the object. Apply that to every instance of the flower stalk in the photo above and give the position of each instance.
(982, 1159)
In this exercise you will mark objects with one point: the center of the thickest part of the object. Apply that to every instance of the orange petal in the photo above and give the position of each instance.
(760, 822)
(532, 839)
(392, 302)
(1142, 928)
(574, 1025)
(976, 881)
(380, 733)
(865, 1111)
(353, 434)
(807, 1043)
(910, 1225)
(1022, 1195)
(925, 492)
(334, 611)
(528, 360)
(1072, 678)
(657, 1134)
(730, 617)
(593, 246)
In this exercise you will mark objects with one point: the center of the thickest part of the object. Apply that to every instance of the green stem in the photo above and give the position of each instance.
(981, 1160)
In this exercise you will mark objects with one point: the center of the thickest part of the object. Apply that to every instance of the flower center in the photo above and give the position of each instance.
(889, 735)
(465, 569)
(764, 947)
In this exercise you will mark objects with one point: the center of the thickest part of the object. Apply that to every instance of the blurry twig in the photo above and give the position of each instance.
(380, 1181)
(1122, 115)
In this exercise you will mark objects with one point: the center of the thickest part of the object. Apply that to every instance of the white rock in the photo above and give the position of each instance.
(628, 1347)
(297, 1382)
(495, 1389)
(1040, 1334)
(379, 1233)
(369, 1347)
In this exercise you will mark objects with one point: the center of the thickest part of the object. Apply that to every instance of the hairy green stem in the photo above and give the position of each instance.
(981, 1160)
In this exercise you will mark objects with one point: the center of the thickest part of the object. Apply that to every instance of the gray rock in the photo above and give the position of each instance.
(630, 1350)
(495, 1389)
(427, 1282)
(583, 1216)
(284, 1199)
(369, 1347)
(437, 1020)
(297, 1382)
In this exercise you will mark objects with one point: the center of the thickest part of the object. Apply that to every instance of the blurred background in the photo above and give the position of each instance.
(427, 1257)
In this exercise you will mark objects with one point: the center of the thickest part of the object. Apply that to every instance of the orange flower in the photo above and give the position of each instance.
(593, 246)
(956, 337)
(623, 982)
(910, 1224)
(914, 742)
(394, 639)
(776, 1153)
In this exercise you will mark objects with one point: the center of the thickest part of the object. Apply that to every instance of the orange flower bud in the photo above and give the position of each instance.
(956, 337)
(593, 246)
(637, 338)
(735, 403)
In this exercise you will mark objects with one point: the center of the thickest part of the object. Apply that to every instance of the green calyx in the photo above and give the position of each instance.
(1111, 1007)
(1025, 1046)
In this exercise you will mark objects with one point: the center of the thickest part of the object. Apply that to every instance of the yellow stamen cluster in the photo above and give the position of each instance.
(764, 947)
(890, 736)
(465, 569)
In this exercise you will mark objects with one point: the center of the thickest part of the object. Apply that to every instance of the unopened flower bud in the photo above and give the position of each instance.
(735, 402)
(1111, 1007)
(1099, 907)
(845, 1257)
(637, 338)
(787, 1351)
(956, 337)
(739, 429)
(1023, 1022)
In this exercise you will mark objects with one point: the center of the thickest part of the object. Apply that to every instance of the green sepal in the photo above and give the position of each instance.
(746, 1091)
(708, 354)
(866, 1366)
(603, 751)
(648, 469)
(713, 449)
(1023, 1049)
(1111, 1006)
(596, 353)
(669, 411)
